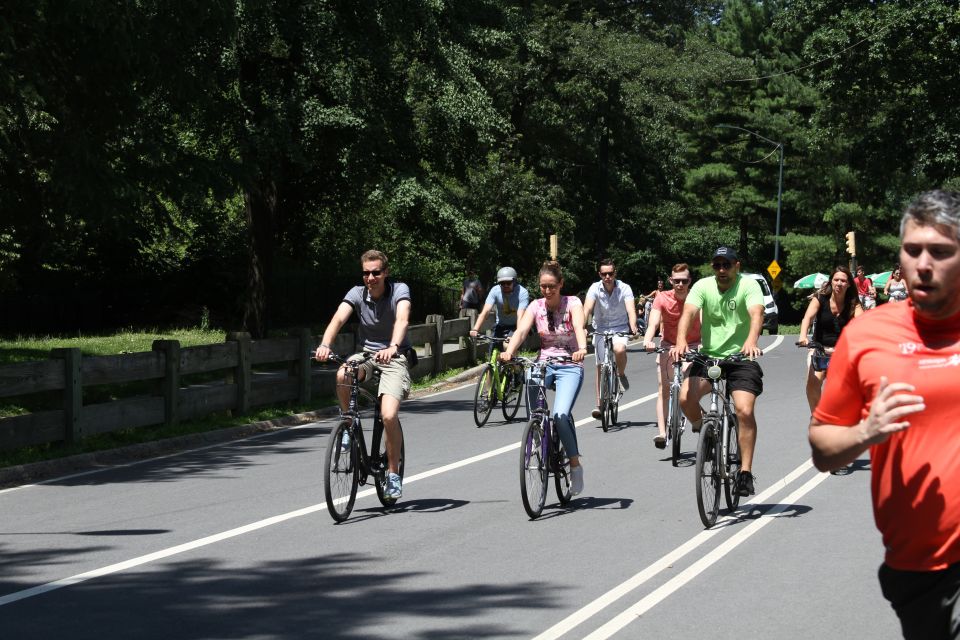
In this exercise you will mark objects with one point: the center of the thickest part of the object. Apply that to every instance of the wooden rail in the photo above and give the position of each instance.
(254, 373)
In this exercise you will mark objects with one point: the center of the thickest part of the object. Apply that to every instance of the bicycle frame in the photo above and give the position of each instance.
(367, 465)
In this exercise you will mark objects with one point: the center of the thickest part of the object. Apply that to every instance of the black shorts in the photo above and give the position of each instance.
(741, 376)
(501, 331)
(925, 601)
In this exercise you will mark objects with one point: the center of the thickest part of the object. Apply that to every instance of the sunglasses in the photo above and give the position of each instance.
(607, 274)
(373, 272)
(680, 280)
(717, 266)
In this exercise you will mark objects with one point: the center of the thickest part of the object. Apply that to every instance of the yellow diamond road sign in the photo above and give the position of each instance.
(773, 269)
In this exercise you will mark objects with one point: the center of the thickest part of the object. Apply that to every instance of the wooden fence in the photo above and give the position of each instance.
(248, 373)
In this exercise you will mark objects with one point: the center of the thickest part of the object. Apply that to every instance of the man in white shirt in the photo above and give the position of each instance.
(611, 303)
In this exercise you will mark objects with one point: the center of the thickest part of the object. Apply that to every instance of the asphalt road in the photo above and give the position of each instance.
(234, 541)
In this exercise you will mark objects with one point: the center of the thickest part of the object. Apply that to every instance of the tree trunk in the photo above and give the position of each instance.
(260, 208)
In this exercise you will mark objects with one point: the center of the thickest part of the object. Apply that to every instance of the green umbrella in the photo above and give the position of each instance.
(880, 279)
(812, 281)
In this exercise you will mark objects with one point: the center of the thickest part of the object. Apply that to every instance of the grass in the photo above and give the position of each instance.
(26, 349)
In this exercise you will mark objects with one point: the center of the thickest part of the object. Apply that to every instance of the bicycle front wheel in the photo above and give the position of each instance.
(674, 425)
(604, 399)
(340, 469)
(380, 479)
(708, 475)
(613, 405)
(533, 469)
(732, 433)
(561, 474)
(512, 395)
(484, 397)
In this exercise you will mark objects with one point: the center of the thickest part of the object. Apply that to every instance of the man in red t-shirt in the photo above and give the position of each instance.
(667, 308)
(865, 290)
(892, 389)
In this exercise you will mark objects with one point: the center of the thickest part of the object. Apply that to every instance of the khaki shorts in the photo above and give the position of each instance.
(394, 376)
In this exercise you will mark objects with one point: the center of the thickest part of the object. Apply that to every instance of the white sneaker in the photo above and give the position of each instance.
(576, 480)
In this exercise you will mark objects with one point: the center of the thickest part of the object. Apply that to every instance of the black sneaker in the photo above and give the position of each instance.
(745, 483)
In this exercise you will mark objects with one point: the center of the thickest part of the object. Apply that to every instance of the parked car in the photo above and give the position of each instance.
(771, 315)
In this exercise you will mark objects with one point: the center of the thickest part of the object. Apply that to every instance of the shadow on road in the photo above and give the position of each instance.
(333, 596)
(428, 505)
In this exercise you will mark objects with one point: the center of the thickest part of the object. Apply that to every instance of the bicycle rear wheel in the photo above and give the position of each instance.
(732, 463)
(561, 475)
(674, 425)
(380, 479)
(708, 475)
(604, 399)
(340, 470)
(484, 397)
(512, 394)
(533, 469)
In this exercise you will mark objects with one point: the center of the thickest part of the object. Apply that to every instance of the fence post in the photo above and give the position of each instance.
(72, 393)
(170, 385)
(437, 343)
(242, 373)
(303, 364)
(467, 341)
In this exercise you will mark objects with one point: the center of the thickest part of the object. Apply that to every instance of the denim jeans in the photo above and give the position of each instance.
(568, 379)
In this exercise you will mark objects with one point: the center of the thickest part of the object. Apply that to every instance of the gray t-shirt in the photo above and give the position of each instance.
(378, 316)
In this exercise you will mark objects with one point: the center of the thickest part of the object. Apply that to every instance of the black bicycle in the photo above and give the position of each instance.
(718, 452)
(348, 464)
(541, 450)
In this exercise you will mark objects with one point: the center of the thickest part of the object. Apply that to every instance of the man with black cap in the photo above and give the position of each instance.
(732, 320)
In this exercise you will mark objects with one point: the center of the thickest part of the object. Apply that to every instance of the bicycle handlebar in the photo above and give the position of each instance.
(483, 338)
(703, 358)
(812, 344)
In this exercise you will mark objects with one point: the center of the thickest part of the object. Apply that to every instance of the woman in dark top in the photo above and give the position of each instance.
(830, 310)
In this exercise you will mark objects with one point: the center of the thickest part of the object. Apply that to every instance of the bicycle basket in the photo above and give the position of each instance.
(820, 362)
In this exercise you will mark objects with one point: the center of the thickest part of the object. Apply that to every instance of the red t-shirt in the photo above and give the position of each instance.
(915, 479)
(864, 285)
(670, 310)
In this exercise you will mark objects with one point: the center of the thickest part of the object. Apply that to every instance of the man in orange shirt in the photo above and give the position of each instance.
(667, 308)
(892, 389)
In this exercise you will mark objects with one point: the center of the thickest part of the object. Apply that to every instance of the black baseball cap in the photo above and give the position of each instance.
(725, 252)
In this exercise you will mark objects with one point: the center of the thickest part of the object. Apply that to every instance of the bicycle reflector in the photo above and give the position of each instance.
(714, 372)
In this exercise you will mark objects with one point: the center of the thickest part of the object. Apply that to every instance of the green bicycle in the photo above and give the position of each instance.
(499, 382)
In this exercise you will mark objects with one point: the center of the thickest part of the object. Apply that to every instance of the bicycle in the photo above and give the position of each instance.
(676, 420)
(348, 464)
(610, 390)
(498, 382)
(718, 452)
(541, 450)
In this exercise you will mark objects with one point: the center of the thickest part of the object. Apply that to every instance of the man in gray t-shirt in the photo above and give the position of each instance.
(383, 307)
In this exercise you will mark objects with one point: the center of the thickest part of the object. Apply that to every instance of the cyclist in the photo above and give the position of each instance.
(667, 309)
(868, 295)
(836, 304)
(559, 321)
(509, 298)
(383, 307)
(610, 301)
(731, 309)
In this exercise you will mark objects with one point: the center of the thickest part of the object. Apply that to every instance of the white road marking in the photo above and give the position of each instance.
(703, 563)
(667, 561)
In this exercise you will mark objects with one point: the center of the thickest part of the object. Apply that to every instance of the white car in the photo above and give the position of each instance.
(771, 315)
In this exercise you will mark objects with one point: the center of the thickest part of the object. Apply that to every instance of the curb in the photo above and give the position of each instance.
(34, 472)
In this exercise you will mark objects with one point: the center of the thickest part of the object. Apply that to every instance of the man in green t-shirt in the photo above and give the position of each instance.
(732, 308)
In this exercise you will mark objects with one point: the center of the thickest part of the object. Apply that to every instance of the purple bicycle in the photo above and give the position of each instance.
(541, 451)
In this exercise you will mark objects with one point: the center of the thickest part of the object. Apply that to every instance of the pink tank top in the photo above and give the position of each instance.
(562, 341)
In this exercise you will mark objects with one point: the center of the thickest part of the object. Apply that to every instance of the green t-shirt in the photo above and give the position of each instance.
(726, 316)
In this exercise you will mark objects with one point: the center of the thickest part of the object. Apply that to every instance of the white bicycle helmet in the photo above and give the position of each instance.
(506, 274)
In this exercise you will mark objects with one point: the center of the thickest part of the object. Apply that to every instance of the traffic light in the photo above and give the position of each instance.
(852, 243)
